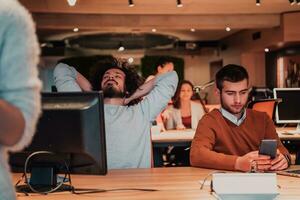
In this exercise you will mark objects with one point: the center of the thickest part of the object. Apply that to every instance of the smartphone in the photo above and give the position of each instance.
(268, 147)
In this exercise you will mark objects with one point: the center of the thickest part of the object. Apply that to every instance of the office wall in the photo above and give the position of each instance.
(291, 27)
(255, 65)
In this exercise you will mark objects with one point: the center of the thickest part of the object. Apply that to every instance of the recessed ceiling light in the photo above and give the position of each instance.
(130, 60)
(71, 2)
(267, 49)
(292, 2)
(153, 30)
(257, 2)
(130, 3)
(179, 4)
(121, 47)
(76, 29)
(192, 30)
(228, 29)
(43, 44)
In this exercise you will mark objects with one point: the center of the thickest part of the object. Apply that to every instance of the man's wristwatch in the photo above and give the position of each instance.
(253, 166)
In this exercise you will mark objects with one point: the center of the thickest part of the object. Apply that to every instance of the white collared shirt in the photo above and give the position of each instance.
(232, 117)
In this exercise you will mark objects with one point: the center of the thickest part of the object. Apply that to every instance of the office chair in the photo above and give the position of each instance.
(265, 105)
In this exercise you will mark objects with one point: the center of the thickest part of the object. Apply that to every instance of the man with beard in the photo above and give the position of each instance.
(229, 138)
(128, 117)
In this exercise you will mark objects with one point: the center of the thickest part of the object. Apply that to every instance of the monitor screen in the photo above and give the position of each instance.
(287, 111)
(72, 127)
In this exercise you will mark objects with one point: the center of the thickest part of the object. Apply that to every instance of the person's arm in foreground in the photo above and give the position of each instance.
(19, 83)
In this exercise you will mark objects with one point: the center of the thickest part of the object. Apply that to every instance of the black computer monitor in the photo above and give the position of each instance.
(72, 127)
(288, 110)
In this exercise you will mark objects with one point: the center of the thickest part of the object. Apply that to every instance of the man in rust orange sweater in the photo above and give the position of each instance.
(228, 138)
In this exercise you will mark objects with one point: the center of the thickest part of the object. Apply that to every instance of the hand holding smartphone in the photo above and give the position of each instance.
(268, 147)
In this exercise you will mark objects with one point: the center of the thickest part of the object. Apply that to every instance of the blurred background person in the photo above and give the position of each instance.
(163, 65)
(187, 108)
(186, 111)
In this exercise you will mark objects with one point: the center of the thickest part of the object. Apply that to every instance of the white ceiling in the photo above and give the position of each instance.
(55, 18)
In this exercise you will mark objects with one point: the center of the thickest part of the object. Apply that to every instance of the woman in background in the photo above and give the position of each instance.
(185, 113)
(186, 110)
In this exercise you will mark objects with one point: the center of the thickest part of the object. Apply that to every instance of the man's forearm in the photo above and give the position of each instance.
(83, 83)
(143, 89)
(12, 124)
(203, 157)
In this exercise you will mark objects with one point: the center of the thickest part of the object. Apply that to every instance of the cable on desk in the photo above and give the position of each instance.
(70, 187)
(209, 175)
(80, 191)
(24, 175)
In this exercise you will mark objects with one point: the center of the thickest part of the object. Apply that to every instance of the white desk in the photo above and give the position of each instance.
(174, 136)
(188, 135)
(185, 137)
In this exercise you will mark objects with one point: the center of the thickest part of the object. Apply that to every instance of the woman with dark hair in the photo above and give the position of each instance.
(185, 111)
(183, 114)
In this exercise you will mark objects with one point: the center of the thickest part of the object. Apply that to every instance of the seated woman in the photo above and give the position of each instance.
(185, 113)
(186, 110)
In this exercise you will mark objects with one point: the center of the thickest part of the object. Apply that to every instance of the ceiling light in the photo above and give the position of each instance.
(179, 4)
(258, 2)
(130, 60)
(228, 29)
(267, 50)
(43, 44)
(193, 30)
(71, 2)
(153, 30)
(130, 3)
(76, 29)
(121, 47)
(292, 2)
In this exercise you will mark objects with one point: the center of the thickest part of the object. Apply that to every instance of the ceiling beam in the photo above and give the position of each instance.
(171, 22)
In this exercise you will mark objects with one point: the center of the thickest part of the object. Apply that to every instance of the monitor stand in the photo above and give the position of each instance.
(44, 180)
(296, 131)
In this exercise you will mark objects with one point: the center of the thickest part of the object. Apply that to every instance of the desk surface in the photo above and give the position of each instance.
(188, 135)
(170, 183)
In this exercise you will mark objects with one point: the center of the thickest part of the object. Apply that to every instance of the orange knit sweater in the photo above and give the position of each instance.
(218, 142)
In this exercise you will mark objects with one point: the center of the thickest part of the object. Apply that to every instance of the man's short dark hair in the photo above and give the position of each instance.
(132, 79)
(163, 60)
(232, 73)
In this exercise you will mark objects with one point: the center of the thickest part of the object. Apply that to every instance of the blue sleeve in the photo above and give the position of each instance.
(164, 88)
(65, 78)
(19, 82)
